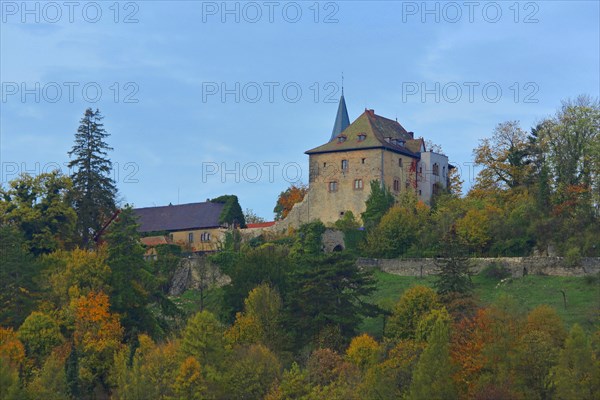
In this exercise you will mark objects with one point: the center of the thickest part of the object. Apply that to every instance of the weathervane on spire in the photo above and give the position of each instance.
(342, 83)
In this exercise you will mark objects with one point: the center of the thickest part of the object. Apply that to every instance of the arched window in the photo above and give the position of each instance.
(436, 169)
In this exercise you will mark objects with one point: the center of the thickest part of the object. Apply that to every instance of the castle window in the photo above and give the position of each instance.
(363, 160)
(361, 137)
(205, 237)
(344, 165)
(400, 162)
(333, 186)
(419, 192)
(396, 185)
(443, 171)
(358, 184)
(436, 169)
(324, 164)
(420, 170)
(191, 237)
(341, 139)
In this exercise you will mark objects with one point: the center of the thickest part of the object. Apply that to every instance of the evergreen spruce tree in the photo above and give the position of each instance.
(131, 284)
(455, 266)
(94, 190)
(433, 375)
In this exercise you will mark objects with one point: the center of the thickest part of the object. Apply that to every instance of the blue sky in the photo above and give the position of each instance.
(161, 67)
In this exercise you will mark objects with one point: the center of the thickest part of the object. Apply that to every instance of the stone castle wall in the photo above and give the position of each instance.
(518, 266)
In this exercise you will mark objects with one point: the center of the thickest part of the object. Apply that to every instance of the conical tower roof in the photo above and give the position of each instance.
(341, 119)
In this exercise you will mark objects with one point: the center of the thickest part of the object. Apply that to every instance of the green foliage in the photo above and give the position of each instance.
(455, 267)
(18, 272)
(379, 202)
(203, 338)
(308, 240)
(577, 375)
(39, 207)
(39, 333)
(130, 281)
(327, 291)
(415, 303)
(232, 213)
(50, 382)
(251, 372)
(495, 271)
(94, 190)
(433, 374)
(394, 234)
(10, 385)
(269, 264)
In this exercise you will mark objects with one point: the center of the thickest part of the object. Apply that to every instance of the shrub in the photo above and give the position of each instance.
(496, 271)
(573, 257)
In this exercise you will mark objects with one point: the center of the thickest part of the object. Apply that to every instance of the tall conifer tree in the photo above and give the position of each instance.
(94, 190)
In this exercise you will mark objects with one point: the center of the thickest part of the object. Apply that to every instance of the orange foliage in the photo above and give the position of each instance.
(466, 349)
(11, 347)
(94, 324)
(294, 194)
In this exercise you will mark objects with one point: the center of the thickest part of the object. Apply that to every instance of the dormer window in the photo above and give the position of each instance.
(341, 139)
(362, 136)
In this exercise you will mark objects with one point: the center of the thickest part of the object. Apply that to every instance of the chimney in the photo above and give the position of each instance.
(412, 134)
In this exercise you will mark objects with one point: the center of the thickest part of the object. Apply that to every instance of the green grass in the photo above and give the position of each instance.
(189, 301)
(583, 297)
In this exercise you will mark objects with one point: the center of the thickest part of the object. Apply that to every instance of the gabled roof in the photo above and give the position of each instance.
(180, 217)
(375, 132)
(342, 121)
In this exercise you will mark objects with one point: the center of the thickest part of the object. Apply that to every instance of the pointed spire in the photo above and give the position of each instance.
(341, 120)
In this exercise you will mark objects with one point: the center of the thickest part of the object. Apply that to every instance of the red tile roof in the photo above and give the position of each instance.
(260, 225)
(151, 241)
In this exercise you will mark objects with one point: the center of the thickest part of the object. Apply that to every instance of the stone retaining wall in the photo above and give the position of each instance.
(518, 266)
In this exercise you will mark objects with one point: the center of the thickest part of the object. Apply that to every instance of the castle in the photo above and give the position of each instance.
(370, 148)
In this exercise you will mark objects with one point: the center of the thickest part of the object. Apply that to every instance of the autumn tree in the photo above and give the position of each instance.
(189, 383)
(203, 338)
(39, 333)
(288, 198)
(94, 189)
(97, 337)
(391, 378)
(38, 206)
(363, 351)
(412, 306)
(50, 382)
(433, 374)
(504, 157)
(75, 273)
(251, 372)
(261, 320)
(577, 375)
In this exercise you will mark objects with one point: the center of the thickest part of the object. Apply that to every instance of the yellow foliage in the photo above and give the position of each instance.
(363, 351)
(189, 384)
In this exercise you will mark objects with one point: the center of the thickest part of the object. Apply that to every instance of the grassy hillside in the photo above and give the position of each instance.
(583, 295)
